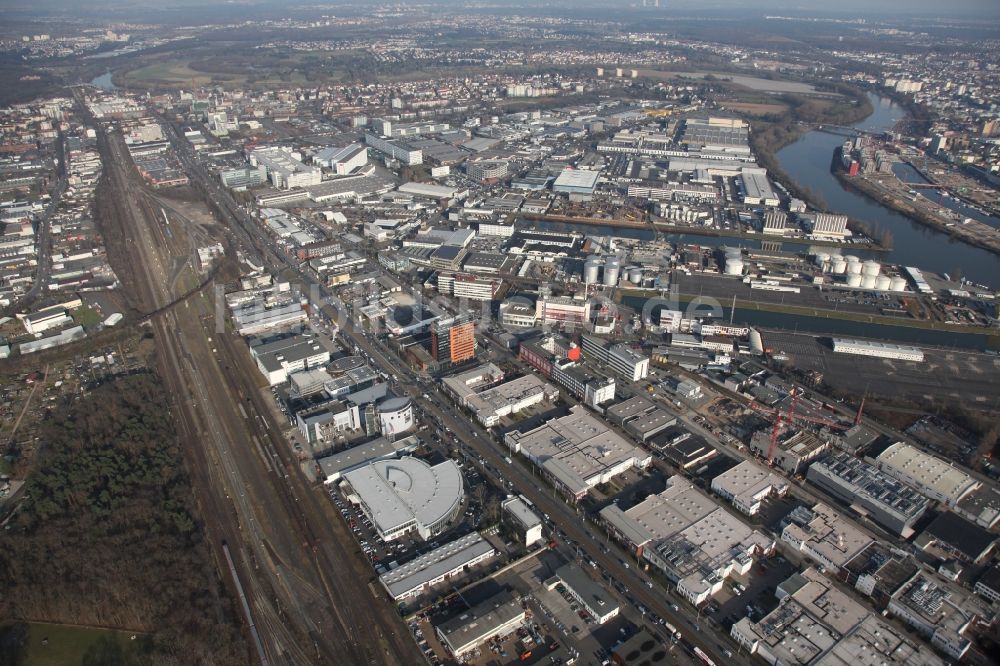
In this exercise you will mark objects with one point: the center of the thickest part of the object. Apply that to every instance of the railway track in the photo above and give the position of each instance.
(304, 581)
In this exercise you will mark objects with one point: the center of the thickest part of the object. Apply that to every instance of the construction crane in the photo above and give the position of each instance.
(788, 417)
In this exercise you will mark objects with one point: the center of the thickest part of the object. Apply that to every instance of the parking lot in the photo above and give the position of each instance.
(752, 595)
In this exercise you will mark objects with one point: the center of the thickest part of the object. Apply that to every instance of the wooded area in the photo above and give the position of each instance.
(106, 534)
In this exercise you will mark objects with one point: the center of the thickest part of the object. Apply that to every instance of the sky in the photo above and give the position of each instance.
(861, 7)
(983, 9)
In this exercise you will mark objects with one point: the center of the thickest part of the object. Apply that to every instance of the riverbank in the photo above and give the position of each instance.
(986, 239)
(769, 137)
(839, 315)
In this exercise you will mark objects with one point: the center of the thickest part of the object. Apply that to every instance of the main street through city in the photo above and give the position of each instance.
(568, 520)
(44, 266)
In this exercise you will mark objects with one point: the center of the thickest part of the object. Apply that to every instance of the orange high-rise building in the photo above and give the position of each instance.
(453, 340)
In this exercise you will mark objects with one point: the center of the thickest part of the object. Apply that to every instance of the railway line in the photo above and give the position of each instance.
(570, 522)
(305, 586)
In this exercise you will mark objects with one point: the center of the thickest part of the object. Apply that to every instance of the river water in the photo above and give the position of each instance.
(908, 174)
(807, 162)
(103, 82)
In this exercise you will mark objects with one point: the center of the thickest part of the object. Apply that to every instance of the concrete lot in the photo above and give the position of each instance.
(952, 375)
(758, 598)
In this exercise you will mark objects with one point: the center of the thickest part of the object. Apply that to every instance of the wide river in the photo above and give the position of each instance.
(807, 162)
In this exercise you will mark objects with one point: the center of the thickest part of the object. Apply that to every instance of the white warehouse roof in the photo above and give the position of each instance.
(576, 180)
(408, 490)
(439, 563)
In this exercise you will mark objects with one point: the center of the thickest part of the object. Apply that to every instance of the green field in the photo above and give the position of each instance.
(86, 316)
(66, 645)
(172, 72)
(178, 74)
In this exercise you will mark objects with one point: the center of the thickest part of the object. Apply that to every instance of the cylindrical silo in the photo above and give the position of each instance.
(871, 268)
(868, 281)
(897, 284)
(635, 275)
(821, 258)
(756, 342)
(854, 279)
(853, 266)
(838, 265)
(611, 270)
(591, 270)
(734, 265)
(882, 283)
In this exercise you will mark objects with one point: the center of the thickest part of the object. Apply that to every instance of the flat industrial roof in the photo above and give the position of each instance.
(520, 510)
(748, 479)
(874, 345)
(510, 392)
(905, 460)
(482, 620)
(577, 179)
(661, 515)
(441, 561)
(335, 465)
(593, 594)
(577, 448)
(829, 534)
(397, 492)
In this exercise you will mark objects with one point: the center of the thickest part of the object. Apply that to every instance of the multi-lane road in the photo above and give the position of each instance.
(568, 520)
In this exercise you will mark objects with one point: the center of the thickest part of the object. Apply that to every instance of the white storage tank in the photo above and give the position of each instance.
(854, 279)
(591, 270)
(821, 258)
(635, 275)
(853, 266)
(838, 265)
(871, 268)
(612, 269)
(897, 284)
(882, 282)
(868, 281)
(734, 261)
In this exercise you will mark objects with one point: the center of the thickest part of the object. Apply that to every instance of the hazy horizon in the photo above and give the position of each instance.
(860, 8)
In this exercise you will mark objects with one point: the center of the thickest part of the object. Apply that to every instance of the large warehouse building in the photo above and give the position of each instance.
(931, 476)
(747, 485)
(877, 349)
(824, 535)
(497, 616)
(406, 495)
(579, 185)
(885, 500)
(691, 539)
(436, 566)
(816, 623)
(577, 451)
